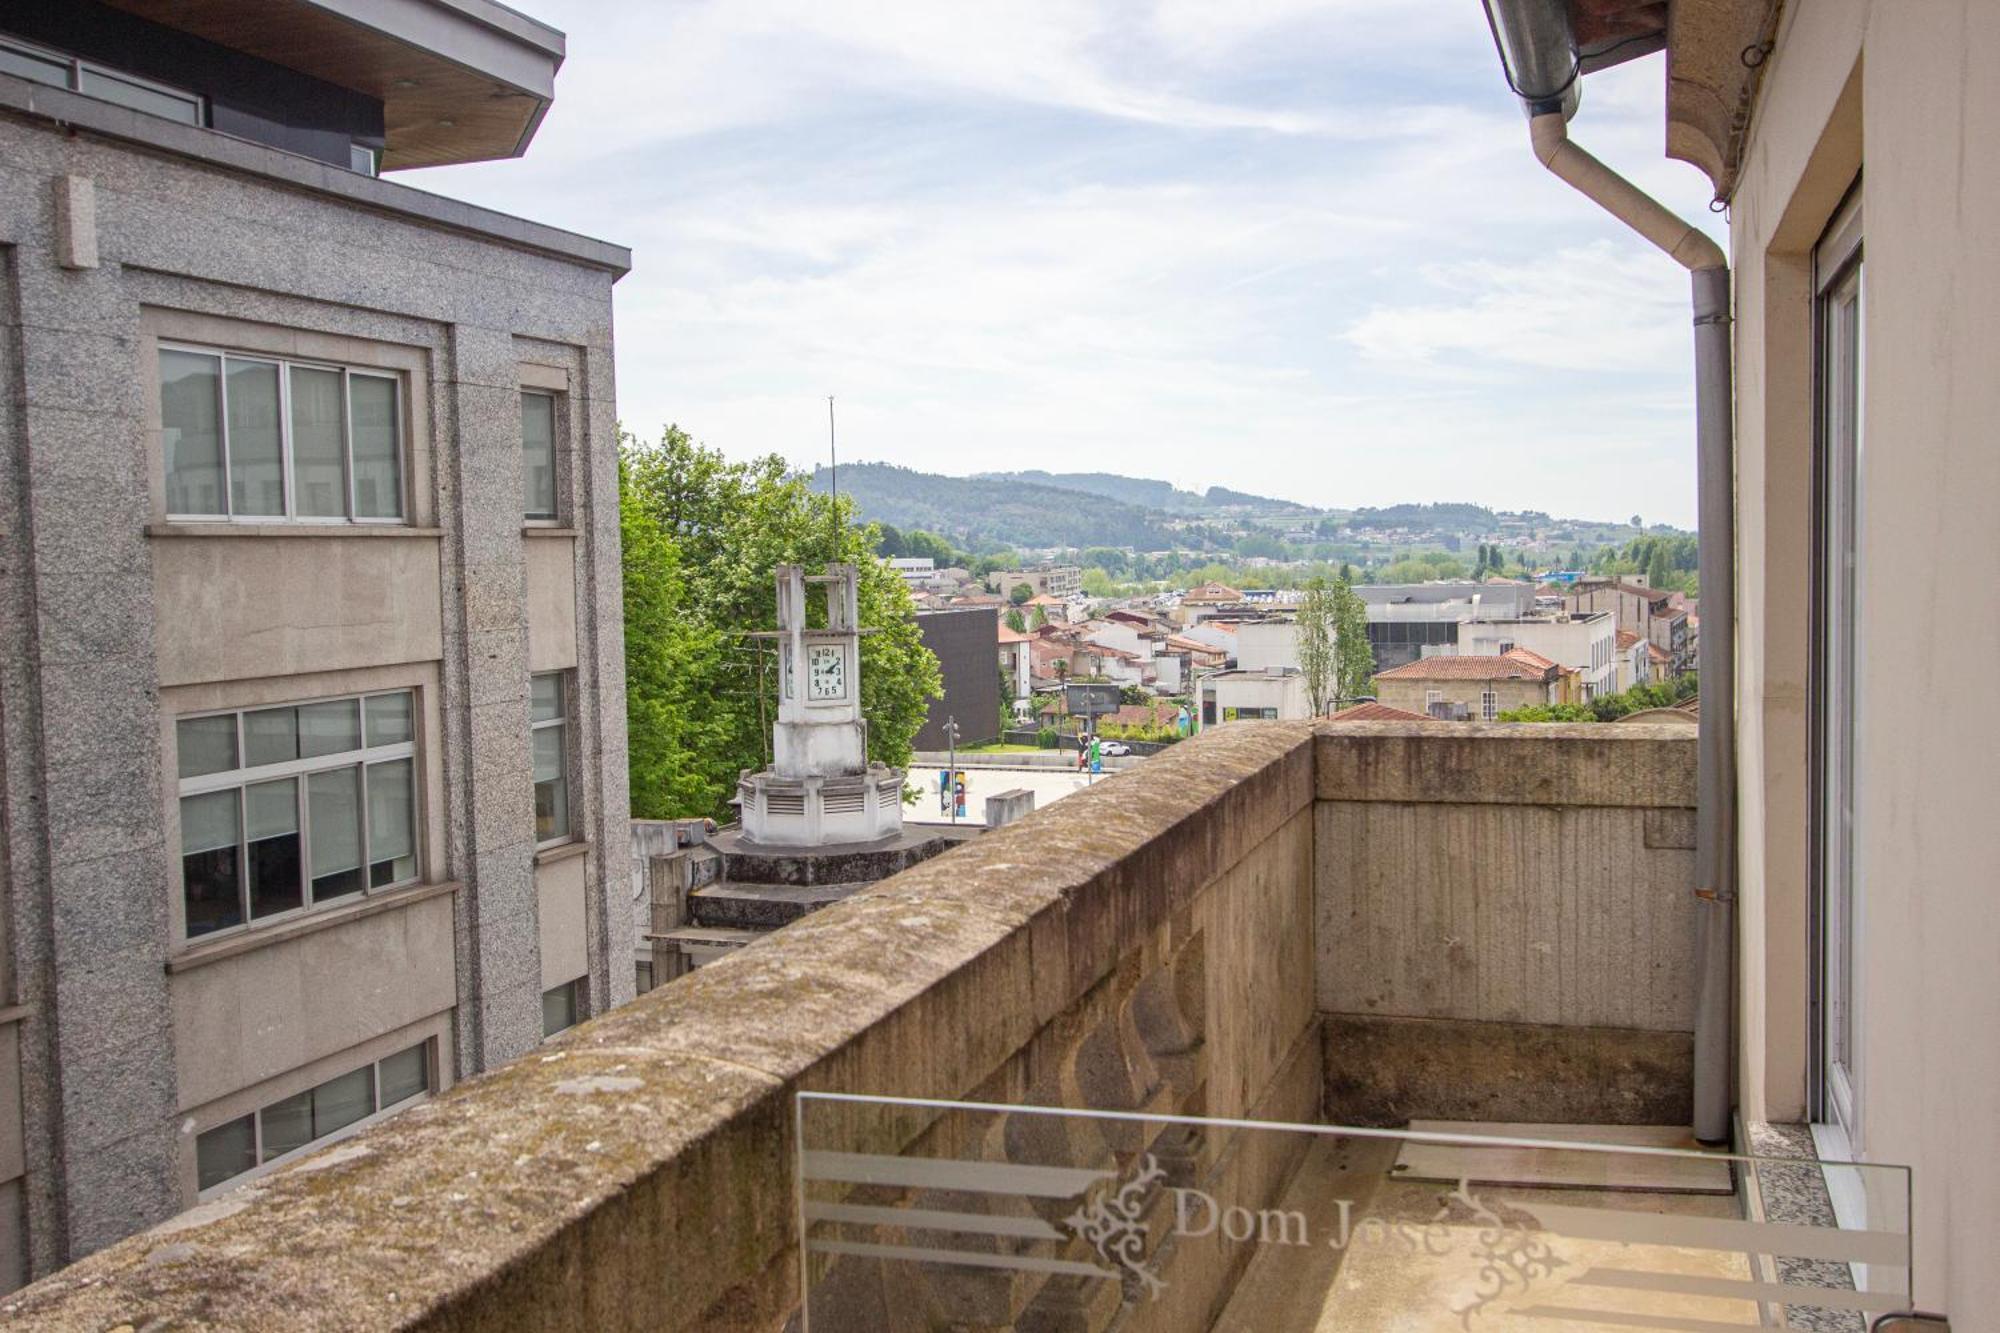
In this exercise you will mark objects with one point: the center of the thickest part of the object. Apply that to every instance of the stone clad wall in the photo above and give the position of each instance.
(1505, 922)
(115, 622)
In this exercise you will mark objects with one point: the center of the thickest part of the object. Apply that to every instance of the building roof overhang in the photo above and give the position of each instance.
(1715, 53)
(459, 80)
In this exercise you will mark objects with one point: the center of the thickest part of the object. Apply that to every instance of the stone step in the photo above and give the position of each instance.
(733, 906)
(746, 862)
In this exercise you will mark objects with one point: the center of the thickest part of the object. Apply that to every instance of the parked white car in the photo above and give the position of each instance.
(1113, 747)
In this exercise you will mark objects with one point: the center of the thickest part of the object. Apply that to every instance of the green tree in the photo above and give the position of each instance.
(678, 759)
(1097, 583)
(1021, 593)
(1318, 661)
(1659, 570)
(1015, 621)
(1354, 657)
(730, 525)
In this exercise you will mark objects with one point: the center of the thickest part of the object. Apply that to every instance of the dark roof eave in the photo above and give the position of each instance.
(108, 120)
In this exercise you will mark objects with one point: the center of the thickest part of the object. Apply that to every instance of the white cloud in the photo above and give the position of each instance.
(1291, 246)
(1600, 307)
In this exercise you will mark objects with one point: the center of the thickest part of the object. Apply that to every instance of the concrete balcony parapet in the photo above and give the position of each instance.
(1174, 939)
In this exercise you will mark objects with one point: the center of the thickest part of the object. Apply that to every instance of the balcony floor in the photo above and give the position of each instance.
(1381, 1288)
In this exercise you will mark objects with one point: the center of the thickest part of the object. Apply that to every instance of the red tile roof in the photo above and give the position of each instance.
(1213, 592)
(1473, 666)
(1626, 638)
(1014, 636)
(1377, 712)
(1531, 657)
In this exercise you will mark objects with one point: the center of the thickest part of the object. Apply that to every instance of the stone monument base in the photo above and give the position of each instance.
(813, 811)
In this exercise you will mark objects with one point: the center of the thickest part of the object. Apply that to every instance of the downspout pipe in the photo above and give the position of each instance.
(1715, 819)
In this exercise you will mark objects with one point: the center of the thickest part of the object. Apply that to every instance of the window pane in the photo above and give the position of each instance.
(538, 454)
(152, 101)
(329, 728)
(288, 1124)
(339, 1102)
(191, 432)
(405, 1074)
(391, 822)
(558, 1009)
(26, 65)
(270, 736)
(378, 451)
(389, 718)
(205, 745)
(271, 838)
(209, 882)
(333, 804)
(551, 786)
(256, 449)
(319, 448)
(225, 1151)
(545, 698)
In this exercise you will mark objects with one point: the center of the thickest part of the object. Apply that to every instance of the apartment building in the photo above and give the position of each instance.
(1647, 612)
(1057, 581)
(1586, 643)
(1264, 694)
(311, 692)
(1407, 621)
(1474, 687)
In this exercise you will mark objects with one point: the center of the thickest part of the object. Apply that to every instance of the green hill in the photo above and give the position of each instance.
(985, 513)
(1148, 493)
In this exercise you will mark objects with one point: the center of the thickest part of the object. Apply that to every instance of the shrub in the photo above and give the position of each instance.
(1047, 739)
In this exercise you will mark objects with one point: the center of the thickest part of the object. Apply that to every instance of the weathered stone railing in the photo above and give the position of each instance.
(1148, 943)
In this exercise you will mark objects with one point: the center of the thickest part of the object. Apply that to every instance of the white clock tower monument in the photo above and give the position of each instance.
(820, 787)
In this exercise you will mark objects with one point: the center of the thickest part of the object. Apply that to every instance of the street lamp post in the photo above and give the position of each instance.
(951, 765)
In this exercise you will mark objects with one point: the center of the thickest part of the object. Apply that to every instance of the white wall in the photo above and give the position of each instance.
(1922, 110)
(1267, 645)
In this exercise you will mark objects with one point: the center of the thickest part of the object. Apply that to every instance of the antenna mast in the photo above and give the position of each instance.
(832, 453)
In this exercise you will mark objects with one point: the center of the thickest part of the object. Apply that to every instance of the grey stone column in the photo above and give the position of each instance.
(99, 1090)
(486, 700)
(601, 681)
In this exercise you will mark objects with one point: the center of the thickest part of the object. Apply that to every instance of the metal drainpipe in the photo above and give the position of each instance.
(1715, 820)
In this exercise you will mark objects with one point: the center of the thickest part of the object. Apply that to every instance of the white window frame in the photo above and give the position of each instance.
(77, 67)
(241, 777)
(1489, 705)
(379, 1114)
(566, 681)
(285, 365)
(1836, 896)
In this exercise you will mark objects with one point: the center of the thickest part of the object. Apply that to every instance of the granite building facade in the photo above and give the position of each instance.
(311, 685)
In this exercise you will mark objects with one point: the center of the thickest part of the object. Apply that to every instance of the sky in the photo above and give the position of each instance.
(1299, 249)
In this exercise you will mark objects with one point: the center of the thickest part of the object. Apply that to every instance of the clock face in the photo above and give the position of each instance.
(826, 672)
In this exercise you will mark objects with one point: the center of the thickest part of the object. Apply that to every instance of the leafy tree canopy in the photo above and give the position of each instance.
(701, 537)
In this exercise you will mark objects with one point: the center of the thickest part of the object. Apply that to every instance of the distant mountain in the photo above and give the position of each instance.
(1221, 497)
(1146, 492)
(1161, 495)
(1454, 517)
(987, 512)
(1085, 509)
